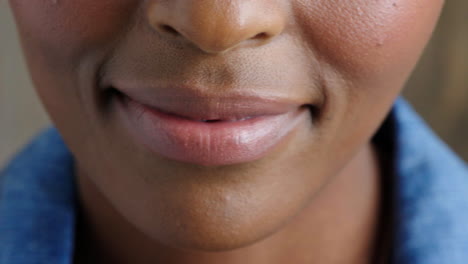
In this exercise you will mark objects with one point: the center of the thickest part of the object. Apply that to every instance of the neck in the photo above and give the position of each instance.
(338, 226)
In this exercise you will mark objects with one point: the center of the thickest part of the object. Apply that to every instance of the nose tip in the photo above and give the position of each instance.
(216, 26)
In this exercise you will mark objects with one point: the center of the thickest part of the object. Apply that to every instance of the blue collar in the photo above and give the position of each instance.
(37, 204)
(430, 197)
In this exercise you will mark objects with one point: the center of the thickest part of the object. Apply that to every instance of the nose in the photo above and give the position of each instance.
(216, 26)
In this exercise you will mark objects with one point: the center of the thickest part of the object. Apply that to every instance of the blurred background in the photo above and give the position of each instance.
(438, 88)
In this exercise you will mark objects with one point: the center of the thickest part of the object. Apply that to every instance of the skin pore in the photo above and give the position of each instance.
(313, 198)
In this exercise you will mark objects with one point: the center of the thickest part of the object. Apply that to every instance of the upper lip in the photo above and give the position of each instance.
(192, 103)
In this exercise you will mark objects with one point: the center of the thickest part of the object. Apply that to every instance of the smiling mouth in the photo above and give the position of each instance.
(210, 131)
(212, 117)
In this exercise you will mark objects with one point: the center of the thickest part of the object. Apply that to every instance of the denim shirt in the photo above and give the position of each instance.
(429, 217)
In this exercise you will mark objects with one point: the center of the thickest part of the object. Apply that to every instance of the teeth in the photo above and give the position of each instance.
(223, 120)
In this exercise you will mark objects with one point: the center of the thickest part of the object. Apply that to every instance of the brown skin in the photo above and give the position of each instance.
(314, 199)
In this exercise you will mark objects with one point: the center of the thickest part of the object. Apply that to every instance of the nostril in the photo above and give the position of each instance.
(168, 29)
(261, 36)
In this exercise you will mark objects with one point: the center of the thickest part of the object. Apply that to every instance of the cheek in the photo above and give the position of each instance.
(369, 47)
(63, 41)
(368, 36)
(64, 28)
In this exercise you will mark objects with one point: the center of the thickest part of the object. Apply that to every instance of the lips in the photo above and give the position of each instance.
(209, 130)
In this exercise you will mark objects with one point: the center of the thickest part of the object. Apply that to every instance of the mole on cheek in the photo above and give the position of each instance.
(359, 35)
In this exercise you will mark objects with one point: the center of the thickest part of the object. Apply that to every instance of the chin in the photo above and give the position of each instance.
(202, 222)
(216, 236)
(221, 243)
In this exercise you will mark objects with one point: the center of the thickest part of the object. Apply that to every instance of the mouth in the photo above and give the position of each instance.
(209, 130)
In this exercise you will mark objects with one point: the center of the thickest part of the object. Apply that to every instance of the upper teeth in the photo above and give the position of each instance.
(224, 120)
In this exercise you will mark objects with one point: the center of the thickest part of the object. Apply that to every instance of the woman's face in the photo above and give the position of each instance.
(292, 89)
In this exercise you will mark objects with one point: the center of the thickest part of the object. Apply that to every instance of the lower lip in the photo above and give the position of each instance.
(209, 144)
